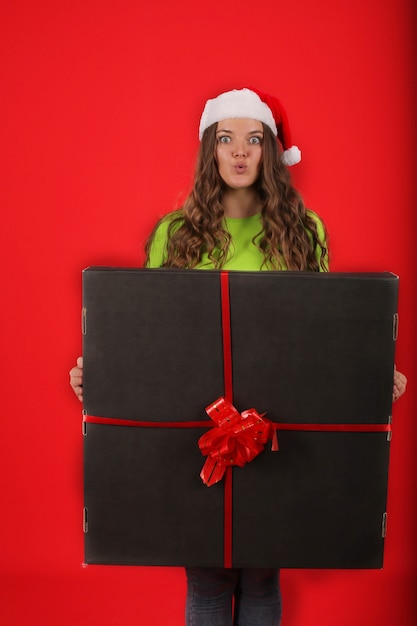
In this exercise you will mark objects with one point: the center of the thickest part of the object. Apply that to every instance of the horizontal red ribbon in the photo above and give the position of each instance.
(334, 428)
(354, 428)
(114, 421)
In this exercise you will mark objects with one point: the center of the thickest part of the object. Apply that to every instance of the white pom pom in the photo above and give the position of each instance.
(291, 156)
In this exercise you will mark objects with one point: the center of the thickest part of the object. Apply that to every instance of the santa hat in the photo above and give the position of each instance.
(256, 105)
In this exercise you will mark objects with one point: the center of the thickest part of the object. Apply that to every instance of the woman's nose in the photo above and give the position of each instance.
(240, 150)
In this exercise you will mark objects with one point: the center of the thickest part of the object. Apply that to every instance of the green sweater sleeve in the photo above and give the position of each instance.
(158, 249)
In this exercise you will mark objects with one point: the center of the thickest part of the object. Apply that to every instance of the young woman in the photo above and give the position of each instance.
(242, 214)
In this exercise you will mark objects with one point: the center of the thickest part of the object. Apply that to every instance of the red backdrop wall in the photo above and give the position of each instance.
(99, 113)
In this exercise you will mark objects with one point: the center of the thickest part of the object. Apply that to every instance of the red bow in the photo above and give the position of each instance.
(236, 440)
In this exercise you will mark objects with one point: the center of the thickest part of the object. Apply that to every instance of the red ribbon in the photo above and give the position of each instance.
(327, 428)
(236, 440)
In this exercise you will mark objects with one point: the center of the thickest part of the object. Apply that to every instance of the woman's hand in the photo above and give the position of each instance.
(76, 378)
(400, 384)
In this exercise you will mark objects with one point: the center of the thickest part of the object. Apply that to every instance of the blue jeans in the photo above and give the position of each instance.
(211, 591)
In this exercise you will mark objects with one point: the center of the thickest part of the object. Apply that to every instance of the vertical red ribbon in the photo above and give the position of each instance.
(227, 338)
(228, 393)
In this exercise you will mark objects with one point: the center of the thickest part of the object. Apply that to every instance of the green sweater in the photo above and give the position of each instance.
(243, 255)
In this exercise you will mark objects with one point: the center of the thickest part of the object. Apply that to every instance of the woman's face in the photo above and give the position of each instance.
(239, 151)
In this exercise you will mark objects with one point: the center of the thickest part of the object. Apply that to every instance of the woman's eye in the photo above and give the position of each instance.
(255, 140)
(224, 139)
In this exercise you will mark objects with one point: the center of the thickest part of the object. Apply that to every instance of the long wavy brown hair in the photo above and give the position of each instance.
(289, 238)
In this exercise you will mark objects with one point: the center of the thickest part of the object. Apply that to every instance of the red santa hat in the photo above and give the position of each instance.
(256, 105)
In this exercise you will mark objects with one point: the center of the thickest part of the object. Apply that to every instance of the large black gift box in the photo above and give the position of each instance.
(314, 352)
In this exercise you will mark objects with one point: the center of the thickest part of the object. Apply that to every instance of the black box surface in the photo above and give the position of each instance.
(307, 349)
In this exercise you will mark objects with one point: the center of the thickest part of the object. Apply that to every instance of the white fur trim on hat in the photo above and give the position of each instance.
(238, 103)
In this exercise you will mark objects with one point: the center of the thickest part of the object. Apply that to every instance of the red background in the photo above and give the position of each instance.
(99, 114)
